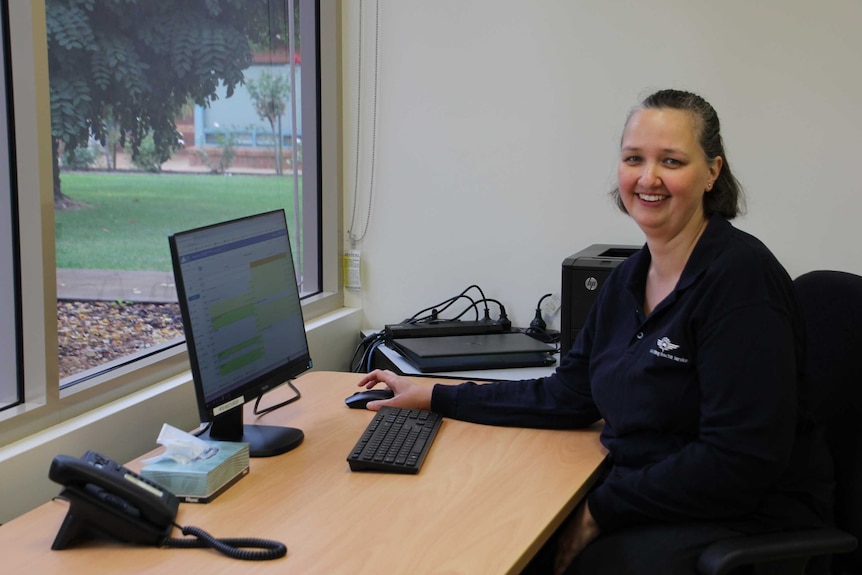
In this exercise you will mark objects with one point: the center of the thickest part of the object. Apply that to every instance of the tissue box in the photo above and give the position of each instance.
(203, 480)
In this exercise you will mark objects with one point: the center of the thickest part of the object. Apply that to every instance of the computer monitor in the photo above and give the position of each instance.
(239, 298)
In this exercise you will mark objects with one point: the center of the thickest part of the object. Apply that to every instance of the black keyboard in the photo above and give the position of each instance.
(396, 441)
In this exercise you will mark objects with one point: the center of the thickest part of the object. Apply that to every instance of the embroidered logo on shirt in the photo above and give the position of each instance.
(664, 346)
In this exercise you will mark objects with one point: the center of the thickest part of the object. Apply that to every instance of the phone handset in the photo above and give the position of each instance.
(106, 497)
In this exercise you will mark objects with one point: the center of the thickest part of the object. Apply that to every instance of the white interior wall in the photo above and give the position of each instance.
(498, 123)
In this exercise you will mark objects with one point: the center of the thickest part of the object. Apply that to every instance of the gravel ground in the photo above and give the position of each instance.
(91, 333)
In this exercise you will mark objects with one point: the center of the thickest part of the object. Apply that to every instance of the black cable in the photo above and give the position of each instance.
(369, 355)
(460, 315)
(452, 302)
(441, 307)
(474, 305)
(233, 547)
(448, 303)
(366, 361)
(492, 300)
(296, 396)
(538, 323)
(365, 347)
(538, 327)
(362, 358)
(503, 319)
(484, 299)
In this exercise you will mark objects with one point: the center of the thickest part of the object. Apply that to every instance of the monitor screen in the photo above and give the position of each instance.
(239, 298)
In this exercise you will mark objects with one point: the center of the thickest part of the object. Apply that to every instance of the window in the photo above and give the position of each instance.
(230, 168)
(187, 114)
(10, 360)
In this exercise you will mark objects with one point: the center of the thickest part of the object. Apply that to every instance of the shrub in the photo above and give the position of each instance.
(227, 142)
(81, 158)
(148, 158)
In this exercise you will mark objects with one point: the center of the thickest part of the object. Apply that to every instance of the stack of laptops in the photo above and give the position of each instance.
(469, 352)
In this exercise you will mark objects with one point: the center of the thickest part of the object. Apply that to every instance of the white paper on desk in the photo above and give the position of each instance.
(182, 447)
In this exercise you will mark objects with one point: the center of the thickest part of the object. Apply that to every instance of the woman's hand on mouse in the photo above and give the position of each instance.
(407, 393)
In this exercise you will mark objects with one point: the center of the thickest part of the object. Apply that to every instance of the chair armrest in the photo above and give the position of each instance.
(723, 556)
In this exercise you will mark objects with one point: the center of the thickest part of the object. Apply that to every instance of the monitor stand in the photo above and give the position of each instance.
(263, 440)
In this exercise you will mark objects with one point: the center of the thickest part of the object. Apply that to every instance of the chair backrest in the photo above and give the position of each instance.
(831, 304)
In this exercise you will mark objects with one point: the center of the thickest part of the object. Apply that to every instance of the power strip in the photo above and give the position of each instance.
(442, 328)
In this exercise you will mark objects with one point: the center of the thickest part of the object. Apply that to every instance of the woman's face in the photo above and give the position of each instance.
(663, 172)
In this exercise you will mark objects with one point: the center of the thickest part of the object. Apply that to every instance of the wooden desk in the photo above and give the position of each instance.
(485, 501)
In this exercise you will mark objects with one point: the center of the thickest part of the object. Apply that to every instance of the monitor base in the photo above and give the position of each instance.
(263, 440)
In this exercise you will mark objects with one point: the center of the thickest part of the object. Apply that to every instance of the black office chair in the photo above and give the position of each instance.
(832, 307)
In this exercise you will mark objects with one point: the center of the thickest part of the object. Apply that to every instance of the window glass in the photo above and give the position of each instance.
(10, 376)
(167, 116)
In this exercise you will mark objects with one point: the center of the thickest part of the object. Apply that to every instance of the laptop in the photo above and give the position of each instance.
(470, 352)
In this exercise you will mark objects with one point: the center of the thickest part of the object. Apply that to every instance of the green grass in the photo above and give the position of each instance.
(128, 217)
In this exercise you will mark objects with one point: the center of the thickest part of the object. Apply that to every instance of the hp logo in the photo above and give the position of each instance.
(591, 284)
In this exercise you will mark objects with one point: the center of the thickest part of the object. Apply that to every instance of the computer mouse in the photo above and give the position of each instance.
(360, 398)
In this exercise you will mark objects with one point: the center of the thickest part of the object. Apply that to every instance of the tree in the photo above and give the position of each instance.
(270, 95)
(133, 64)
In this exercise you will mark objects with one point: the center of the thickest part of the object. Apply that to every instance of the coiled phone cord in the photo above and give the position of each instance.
(233, 547)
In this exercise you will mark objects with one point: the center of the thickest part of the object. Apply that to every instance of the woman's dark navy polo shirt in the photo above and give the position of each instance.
(699, 399)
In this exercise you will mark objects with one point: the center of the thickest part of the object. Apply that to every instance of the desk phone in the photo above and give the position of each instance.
(108, 498)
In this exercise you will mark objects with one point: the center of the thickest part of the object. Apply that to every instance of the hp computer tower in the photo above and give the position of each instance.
(584, 274)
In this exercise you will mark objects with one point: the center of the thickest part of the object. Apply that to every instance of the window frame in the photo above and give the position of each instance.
(45, 404)
(12, 354)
